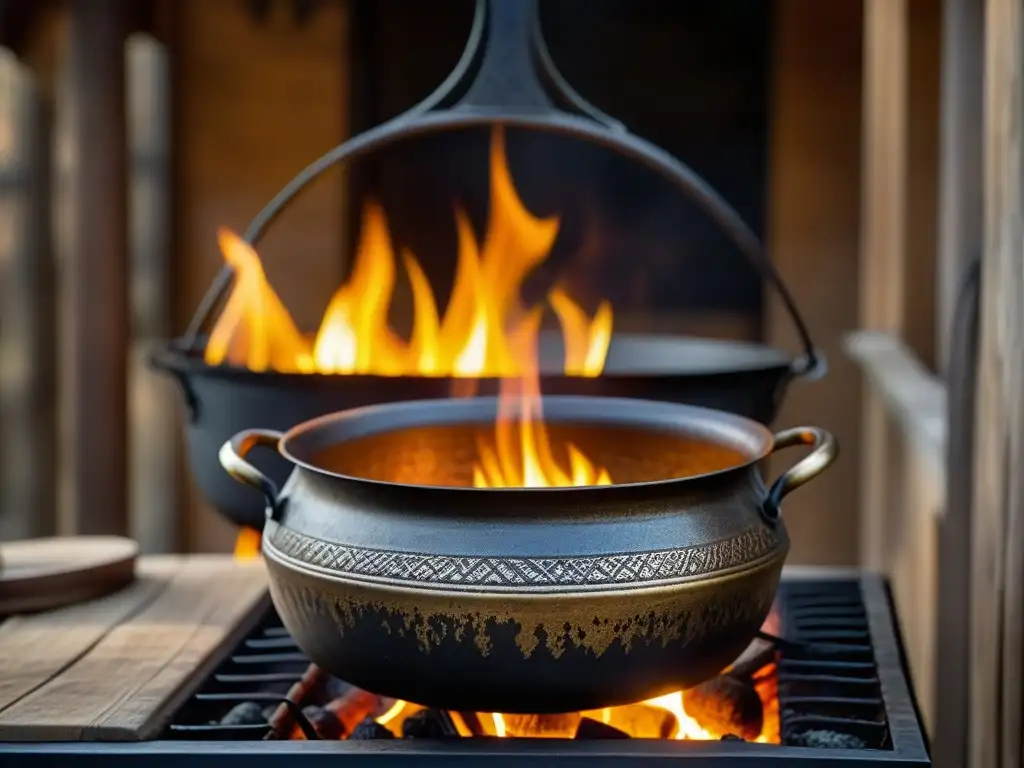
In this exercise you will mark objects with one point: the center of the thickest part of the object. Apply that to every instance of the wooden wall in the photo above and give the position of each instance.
(997, 509)
(904, 413)
(812, 234)
(256, 100)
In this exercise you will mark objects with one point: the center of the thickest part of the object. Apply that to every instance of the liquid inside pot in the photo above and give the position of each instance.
(444, 455)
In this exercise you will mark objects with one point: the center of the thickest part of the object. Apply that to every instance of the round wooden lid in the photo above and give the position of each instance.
(40, 574)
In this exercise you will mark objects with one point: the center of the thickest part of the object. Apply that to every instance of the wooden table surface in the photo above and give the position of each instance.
(117, 668)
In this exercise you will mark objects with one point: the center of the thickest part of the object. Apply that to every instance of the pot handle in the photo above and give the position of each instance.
(826, 449)
(232, 458)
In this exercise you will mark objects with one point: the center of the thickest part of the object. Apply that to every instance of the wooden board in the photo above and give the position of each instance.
(812, 238)
(996, 704)
(41, 574)
(117, 668)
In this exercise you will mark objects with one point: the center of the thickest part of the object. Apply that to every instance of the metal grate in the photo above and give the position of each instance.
(843, 683)
(236, 703)
(829, 689)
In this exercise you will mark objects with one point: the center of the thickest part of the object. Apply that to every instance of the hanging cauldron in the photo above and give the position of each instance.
(505, 77)
(391, 571)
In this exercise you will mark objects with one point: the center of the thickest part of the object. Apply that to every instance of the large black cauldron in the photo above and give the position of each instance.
(505, 77)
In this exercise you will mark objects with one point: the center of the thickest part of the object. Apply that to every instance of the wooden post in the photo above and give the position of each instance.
(900, 493)
(956, 322)
(28, 353)
(155, 497)
(96, 331)
(960, 226)
(898, 226)
(883, 187)
(997, 568)
(813, 217)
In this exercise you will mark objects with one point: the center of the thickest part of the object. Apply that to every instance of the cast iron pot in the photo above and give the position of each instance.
(745, 378)
(525, 600)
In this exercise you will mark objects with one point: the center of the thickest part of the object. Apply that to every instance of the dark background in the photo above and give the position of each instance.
(691, 77)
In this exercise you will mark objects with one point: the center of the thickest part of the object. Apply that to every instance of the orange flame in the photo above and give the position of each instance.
(247, 545)
(640, 720)
(473, 338)
(521, 454)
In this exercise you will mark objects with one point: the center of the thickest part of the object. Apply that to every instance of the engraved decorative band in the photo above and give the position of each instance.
(590, 570)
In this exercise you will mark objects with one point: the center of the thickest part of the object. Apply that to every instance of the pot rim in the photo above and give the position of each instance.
(720, 357)
(752, 439)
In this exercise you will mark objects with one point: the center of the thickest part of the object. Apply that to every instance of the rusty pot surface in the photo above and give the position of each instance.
(394, 574)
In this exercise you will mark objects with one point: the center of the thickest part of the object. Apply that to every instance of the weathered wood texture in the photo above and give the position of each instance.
(96, 320)
(255, 102)
(116, 669)
(28, 309)
(914, 402)
(902, 465)
(921, 200)
(153, 400)
(914, 396)
(997, 569)
(898, 226)
(812, 238)
(881, 241)
(40, 574)
(960, 201)
(953, 628)
(960, 239)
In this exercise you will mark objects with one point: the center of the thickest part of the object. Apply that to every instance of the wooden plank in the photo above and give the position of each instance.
(28, 313)
(902, 479)
(129, 684)
(812, 238)
(886, 43)
(883, 189)
(44, 574)
(915, 407)
(898, 235)
(953, 628)
(153, 398)
(956, 322)
(918, 262)
(36, 649)
(912, 563)
(912, 394)
(96, 327)
(997, 562)
(960, 197)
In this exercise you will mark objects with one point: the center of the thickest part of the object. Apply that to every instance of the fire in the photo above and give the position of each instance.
(521, 454)
(661, 717)
(247, 545)
(474, 337)
(686, 726)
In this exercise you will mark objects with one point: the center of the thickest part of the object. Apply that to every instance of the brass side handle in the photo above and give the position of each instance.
(826, 450)
(232, 457)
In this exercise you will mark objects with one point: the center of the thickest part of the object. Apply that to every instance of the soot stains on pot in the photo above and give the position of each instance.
(431, 625)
